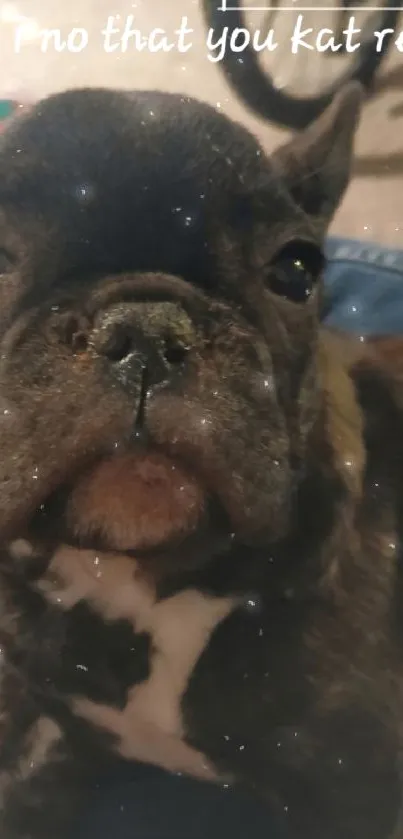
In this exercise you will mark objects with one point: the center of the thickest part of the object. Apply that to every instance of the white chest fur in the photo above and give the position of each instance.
(150, 727)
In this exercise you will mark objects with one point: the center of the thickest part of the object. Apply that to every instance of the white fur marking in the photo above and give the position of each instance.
(43, 735)
(150, 728)
(20, 549)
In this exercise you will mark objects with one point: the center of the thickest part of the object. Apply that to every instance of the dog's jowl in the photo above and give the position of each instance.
(200, 491)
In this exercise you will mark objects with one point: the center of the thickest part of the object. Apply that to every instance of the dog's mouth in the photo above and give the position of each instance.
(143, 504)
(135, 502)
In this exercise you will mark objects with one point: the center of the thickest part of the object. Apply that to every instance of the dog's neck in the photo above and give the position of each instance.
(353, 474)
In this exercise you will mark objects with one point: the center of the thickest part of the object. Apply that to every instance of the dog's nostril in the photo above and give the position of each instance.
(127, 340)
(79, 342)
(175, 354)
(119, 347)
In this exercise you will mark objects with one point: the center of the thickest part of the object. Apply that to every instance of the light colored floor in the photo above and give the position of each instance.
(373, 207)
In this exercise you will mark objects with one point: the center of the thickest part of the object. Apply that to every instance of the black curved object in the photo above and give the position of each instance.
(257, 90)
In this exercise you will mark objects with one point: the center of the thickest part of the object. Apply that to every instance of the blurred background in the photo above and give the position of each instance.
(373, 207)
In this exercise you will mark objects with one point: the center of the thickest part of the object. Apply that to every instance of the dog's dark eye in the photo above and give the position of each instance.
(295, 271)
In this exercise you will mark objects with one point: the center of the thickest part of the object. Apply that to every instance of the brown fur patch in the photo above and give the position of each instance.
(136, 501)
(345, 423)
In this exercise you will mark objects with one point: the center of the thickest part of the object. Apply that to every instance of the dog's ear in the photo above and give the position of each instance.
(316, 163)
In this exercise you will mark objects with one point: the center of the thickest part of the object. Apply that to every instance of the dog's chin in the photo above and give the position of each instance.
(141, 504)
(135, 502)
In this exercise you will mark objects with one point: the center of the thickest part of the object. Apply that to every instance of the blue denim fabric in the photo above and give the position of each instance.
(364, 287)
(364, 294)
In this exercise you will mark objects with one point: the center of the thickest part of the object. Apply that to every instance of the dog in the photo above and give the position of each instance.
(201, 489)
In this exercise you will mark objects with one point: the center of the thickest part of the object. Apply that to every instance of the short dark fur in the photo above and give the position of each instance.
(158, 202)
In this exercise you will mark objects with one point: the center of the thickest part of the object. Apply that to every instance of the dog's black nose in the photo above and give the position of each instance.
(153, 337)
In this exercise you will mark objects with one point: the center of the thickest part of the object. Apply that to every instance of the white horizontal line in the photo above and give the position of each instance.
(225, 8)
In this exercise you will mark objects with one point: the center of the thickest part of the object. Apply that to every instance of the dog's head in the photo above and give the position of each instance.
(159, 310)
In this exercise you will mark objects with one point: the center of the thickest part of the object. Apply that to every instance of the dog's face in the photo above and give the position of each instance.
(159, 307)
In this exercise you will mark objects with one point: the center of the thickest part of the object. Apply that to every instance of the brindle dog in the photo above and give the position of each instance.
(201, 491)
